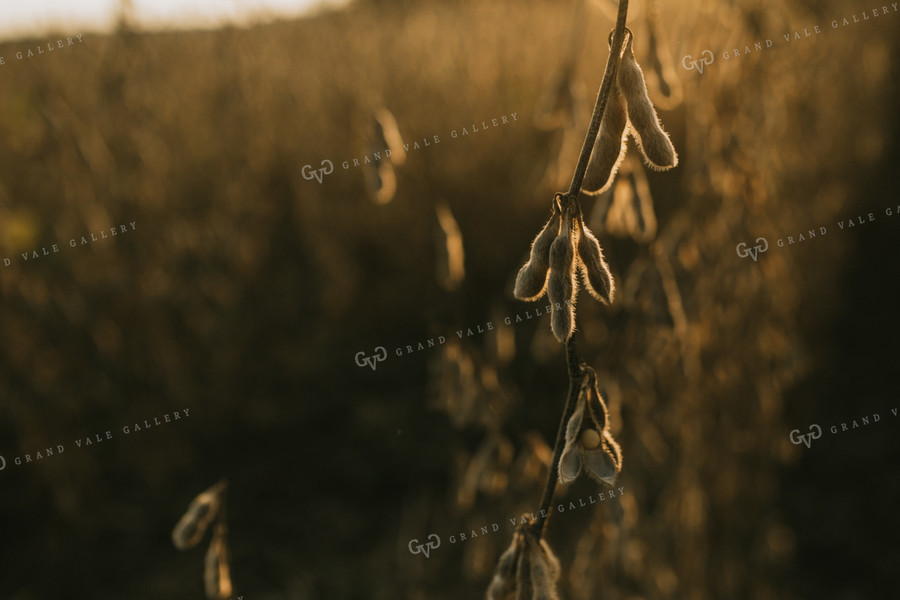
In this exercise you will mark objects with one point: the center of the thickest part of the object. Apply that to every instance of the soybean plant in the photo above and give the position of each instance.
(528, 569)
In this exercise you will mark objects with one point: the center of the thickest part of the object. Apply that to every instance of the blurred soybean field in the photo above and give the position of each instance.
(245, 292)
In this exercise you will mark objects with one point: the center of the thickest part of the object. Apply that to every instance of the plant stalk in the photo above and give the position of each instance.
(575, 379)
(574, 364)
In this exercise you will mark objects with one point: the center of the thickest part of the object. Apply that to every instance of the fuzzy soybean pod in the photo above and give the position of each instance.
(381, 181)
(595, 272)
(194, 523)
(603, 464)
(532, 278)
(562, 284)
(545, 570)
(609, 149)
(503, 585)
(559, 103)
(654, 143)
(570, 460)
(451, 256)
(216, 569)
(387, 136)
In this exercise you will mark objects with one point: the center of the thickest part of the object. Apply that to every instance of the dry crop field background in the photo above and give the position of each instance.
(252, 299)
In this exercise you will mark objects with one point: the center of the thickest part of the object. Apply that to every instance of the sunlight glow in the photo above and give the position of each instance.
(43, 17)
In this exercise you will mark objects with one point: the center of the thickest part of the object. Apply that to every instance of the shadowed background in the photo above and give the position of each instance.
(245, 293)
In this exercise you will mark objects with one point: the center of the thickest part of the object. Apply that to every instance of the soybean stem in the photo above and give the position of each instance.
(575, 377)
(574, 365)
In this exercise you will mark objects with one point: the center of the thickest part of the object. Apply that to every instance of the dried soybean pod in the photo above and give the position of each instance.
(603, 461)
(381, 181)
(503, 585)
(594, 270)
(386, 149)
(193, 524)
(631, 213)
(532, 278)
(597, 406)
(609, 149)
(602, 205)
(559, 104)
(603, 464)
(570, 460)
(551, 560)
(387, 136)
(451, 256)
(642, 206)
(561, 285)
(524, 589)
(615, 451)
(620, 218)
(656, 63)
(661, 73)
(544, 570)
(653, 142)
(216, 570)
